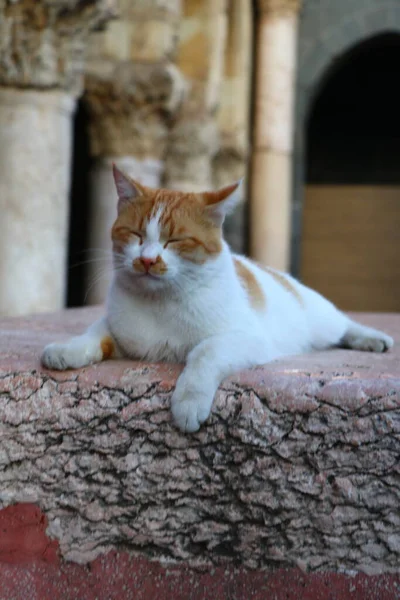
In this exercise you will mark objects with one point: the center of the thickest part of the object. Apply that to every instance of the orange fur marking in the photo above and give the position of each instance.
(107, 347)
(182, 217)
(250, 283)
(284, 282)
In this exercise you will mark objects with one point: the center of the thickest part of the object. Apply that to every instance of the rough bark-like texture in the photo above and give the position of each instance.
(43, 42)
(299, 463)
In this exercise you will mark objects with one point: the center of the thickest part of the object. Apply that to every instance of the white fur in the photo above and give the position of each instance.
(201, 315)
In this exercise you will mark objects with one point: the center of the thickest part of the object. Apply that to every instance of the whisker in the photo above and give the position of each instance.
(100, 275)
(93, 283)
(89, 261)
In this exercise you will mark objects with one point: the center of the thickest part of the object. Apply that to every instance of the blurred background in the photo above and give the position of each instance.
(300, 97)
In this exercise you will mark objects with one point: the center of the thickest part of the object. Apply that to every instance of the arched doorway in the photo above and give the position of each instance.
(350, 243)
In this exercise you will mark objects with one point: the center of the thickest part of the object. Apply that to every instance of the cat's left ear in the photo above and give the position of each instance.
(127, 189)
(223, 202)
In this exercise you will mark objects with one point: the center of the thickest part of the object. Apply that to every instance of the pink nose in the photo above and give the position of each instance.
(147, 262)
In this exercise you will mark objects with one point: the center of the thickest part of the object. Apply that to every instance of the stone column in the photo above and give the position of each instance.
(273, 132)
(41, 63)
(132, 89)
(194, 137)
(230, 163)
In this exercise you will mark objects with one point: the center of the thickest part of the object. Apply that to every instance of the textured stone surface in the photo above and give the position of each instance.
(132, 85)
(43, 42)
(299, 464)
(193, 141)
(129, 105)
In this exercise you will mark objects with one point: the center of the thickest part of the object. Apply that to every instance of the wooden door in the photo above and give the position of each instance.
(350, 249)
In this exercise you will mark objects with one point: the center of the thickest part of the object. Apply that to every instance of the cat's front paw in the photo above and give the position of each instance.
(55, 356)
(71, 355)
(190, 406)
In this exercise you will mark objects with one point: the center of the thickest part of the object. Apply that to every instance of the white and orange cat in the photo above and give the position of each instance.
(179, 294)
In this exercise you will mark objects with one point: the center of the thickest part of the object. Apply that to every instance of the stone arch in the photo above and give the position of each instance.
(339, 28)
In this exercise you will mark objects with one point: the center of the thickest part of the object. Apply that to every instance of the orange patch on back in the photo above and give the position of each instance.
(251, 285)
(284, 282)
(107, 347)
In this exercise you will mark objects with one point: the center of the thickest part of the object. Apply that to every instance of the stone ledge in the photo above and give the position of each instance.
(299, 464)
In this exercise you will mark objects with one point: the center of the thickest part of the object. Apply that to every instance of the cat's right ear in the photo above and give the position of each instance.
(127, 189)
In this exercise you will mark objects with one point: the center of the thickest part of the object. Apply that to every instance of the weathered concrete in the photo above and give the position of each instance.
(299, 464)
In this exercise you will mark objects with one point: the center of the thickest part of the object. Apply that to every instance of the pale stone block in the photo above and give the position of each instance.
(194, 137)
(116, 41)
(234, 100)
(201, 47)
(152, 40)
(273, 135)
(270, 224)
(35, 142)
(275, 77)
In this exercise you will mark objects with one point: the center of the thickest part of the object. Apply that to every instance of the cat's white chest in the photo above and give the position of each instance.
(152, 331)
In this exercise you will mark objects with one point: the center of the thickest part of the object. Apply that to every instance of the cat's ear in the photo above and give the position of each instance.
(223, 202)
(127, 189)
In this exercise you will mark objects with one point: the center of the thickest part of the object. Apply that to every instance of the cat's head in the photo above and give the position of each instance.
(162, 236)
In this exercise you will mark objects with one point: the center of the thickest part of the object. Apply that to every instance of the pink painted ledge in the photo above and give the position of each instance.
(299, 466)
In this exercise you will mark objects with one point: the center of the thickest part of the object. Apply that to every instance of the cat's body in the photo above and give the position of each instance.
(202, 305)
(296, 319)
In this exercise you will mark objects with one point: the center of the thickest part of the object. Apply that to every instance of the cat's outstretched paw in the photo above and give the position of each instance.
(71, 355)
(190, 406)
(371, 343)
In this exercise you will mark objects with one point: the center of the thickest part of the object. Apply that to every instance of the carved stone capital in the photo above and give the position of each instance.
(279, 7)
(129, 106)
(43, 41)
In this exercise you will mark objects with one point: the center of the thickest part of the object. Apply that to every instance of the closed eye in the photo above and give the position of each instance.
(122, 234)
(177, 241)
(136, 234)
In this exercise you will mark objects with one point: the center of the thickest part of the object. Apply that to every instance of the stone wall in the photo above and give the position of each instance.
(298, 465)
